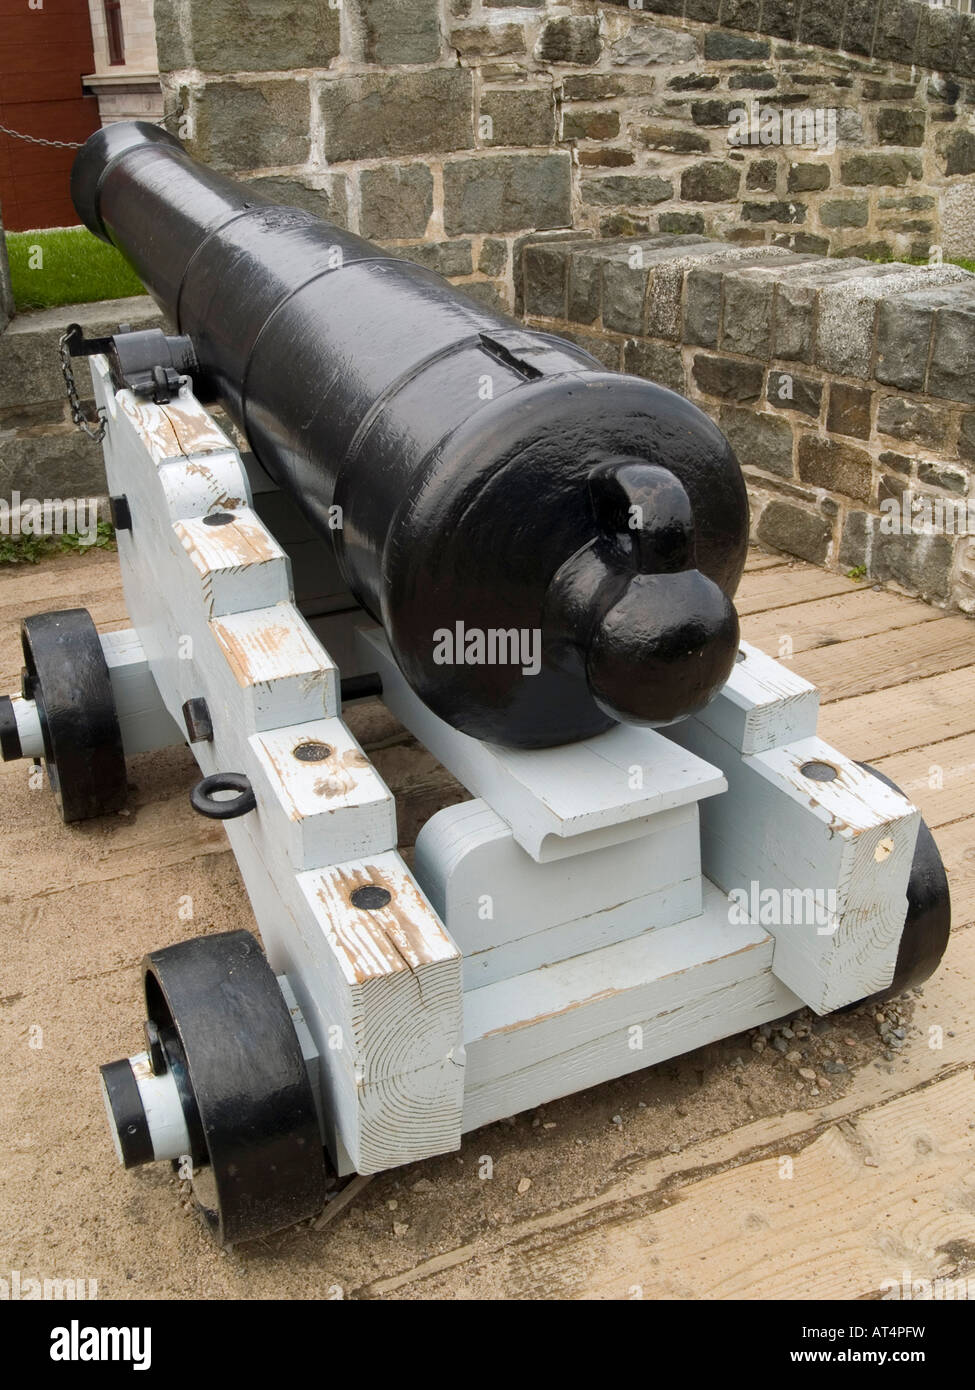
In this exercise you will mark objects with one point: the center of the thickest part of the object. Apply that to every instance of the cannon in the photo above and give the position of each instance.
(489, 480)
(532, 560)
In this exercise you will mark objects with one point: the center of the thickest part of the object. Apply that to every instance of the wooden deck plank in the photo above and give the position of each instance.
(876, 663)
(939, 778)
(956, 844)
(834, 1229)
(800, 627)
(758, 560)
(776, 588)
(873, 726)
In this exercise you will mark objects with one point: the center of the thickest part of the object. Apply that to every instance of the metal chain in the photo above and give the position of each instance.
(73, 144)
(37, 140)
(174, 115)
(94, 431)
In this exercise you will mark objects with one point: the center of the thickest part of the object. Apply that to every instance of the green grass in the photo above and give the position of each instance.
(66, 266)
(916, 260)
(30, 550)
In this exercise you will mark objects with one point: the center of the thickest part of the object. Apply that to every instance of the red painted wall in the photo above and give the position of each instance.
(44, 53)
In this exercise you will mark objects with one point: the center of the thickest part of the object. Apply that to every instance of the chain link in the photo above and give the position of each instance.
(38, 140)
(94, 429)
(73, 144)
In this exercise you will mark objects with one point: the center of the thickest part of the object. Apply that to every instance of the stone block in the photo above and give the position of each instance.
(253, 125)
(724, 377)
(791, 392)
(898, 24)
(507, 192)
(902, 418)
(952, 370)
(747, 318)
(848, 410)
(795, 530)
(711, 181)
(379, 115)
(837, 467)
(520, 117)
(590, 125)
(897, 126)
(396, 201)
(886, 170)
(405, 32)
(327, 197)
(252, 36)
(570, 39)
(659, 362)
(625, 190)
(546, 280)
(759, 440)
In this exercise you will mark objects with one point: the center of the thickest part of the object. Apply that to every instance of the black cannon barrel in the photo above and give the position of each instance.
(550, 546)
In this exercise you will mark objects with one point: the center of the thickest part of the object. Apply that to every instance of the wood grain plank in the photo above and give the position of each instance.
(877, 663)
(956, 844)
(758, 560)
(848, 1212)
(783, 632)
(939, 778)
(777, 588)
(891, 721)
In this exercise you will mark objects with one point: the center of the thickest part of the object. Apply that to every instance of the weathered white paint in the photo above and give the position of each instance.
(615, 1010)
(336, 809)
(212, 609)
(557, 801)
(509, 914)
(849, 841)
(28, 727)
(144, 720)
(762, 705)
(163, 1109)
(280, 668)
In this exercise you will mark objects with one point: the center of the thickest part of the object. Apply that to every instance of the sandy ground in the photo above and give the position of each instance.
(81, 905)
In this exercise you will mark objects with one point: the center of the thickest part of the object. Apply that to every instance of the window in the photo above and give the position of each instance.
(116, 38)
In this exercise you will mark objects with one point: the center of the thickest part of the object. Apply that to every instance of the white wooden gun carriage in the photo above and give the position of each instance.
(591, 910)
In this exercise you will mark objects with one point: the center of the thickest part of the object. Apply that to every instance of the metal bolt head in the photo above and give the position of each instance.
(371, 897)
(819, 772)
(312, 751)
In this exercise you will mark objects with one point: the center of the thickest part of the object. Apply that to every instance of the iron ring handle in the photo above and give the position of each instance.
(203, 801)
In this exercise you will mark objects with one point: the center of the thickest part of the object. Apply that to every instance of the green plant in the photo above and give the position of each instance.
(857, 572)
(30, 550)
(889, 259)
(66, 265)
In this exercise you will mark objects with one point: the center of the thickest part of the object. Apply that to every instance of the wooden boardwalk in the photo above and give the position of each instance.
(718, 1175)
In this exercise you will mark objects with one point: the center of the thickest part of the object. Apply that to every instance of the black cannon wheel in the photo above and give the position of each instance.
(264, 1165)
(67, 676)
(928, 922)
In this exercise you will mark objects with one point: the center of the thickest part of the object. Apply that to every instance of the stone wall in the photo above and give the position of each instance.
(847, 389)
(451, 127)
(42, 454)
